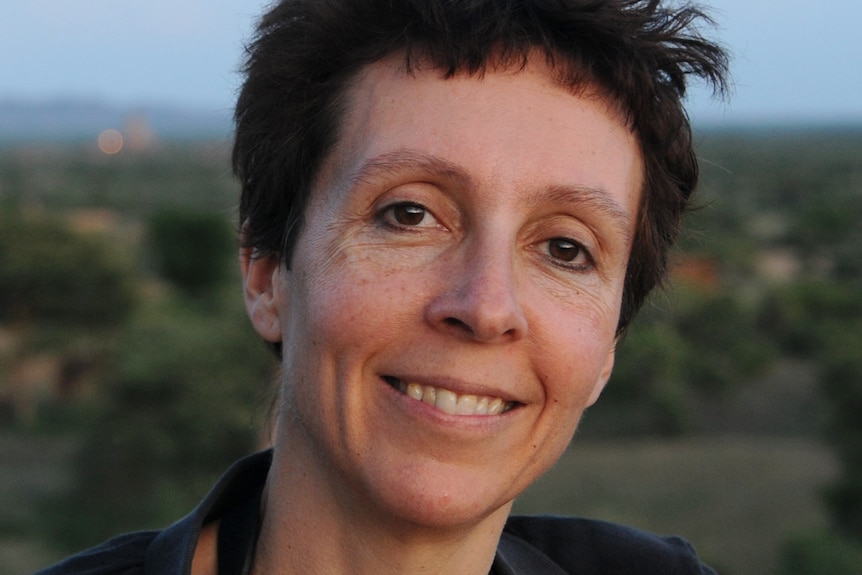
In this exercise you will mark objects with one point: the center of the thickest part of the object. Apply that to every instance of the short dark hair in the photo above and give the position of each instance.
(306, 52)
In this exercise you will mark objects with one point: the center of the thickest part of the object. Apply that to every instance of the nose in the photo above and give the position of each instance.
(480, 299)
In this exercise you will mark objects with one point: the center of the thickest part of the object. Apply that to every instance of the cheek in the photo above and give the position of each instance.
(348, 307)
(576, 354)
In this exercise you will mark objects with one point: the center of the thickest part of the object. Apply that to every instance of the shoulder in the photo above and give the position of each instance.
(590, 546)
(123, 555)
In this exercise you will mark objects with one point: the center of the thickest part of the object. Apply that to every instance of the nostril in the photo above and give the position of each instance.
(457, 323)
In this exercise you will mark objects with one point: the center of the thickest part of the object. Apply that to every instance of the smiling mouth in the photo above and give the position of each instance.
(450, 402)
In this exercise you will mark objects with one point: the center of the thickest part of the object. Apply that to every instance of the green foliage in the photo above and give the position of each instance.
(701, 343)
(843, 388)
(49, 273)
(182, 403)
(823, 321)
(801, 193)
(193, 250)
(137, 184)
(807, 317)
(820, 554)
(182, 389)
(808, 184)
(725, 346)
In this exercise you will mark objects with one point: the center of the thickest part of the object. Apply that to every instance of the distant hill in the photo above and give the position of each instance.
(79, 120)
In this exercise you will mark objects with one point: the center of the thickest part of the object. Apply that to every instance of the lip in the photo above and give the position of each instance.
(420, 418)
(454, 385)
(396, 388)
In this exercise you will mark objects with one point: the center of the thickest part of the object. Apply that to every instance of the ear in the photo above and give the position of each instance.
(261, 283)
(604, 376)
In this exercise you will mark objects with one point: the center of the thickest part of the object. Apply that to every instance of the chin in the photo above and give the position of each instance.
(433, 497)
(446, 514)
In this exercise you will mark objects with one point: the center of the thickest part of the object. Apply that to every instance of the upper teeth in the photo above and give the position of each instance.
(454, 404)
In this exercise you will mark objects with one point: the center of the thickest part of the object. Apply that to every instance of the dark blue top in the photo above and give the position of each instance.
(528, 546)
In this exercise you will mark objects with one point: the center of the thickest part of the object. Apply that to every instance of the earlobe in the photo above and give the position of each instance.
(260, 280)
(605, 375)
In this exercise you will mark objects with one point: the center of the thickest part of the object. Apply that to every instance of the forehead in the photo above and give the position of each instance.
(385, 78)
(507, 123)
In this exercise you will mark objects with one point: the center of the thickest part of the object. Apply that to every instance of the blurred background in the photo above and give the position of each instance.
(129, 377)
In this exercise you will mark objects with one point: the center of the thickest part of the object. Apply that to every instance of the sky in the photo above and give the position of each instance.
(798, 63)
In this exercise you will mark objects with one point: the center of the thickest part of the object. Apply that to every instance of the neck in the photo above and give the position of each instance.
(310, 529)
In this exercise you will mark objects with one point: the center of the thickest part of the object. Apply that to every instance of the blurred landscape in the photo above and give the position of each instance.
(130, 378)
(70, 119)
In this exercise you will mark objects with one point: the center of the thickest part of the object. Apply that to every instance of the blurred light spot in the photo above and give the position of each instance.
(110, 141)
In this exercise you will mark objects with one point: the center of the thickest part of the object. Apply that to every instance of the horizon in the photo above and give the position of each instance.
(72, 120)
(185, 53)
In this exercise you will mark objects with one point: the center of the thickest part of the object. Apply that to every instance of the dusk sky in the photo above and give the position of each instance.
(795, 60)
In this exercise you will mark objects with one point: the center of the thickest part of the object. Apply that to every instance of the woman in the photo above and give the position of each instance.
(450, 212)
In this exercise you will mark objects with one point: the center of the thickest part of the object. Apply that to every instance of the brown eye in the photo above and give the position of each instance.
(408, 214)
(564, 250)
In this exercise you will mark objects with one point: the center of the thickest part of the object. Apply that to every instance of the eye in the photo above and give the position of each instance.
(568, 252)
(407, 215)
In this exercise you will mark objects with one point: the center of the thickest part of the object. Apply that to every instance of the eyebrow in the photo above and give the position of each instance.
(595, 199)
(405, 160)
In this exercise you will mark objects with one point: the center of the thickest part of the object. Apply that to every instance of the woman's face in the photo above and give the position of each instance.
(450, 309)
